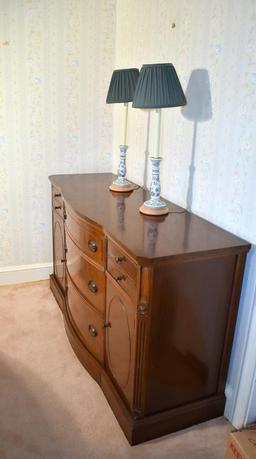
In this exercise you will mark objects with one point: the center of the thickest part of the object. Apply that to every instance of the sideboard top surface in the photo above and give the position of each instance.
(180, 233)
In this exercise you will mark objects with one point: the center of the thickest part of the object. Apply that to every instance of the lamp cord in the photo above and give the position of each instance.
(176, 212)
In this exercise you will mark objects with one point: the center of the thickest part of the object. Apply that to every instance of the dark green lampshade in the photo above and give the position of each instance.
(158, 86)
(122, 86)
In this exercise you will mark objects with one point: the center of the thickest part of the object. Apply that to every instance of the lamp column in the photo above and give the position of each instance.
(121, 90)
(121, 184)
(155, 205)
(158, 87)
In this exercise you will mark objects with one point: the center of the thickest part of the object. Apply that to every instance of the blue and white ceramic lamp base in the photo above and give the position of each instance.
(155, 205)
(121, 185)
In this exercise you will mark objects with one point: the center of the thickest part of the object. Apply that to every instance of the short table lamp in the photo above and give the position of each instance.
(121, 90)
(158, 87)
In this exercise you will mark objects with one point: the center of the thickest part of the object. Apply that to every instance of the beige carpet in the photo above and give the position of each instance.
(51, 408)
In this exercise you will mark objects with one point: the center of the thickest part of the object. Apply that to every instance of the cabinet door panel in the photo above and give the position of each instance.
(120, 336)
(59, 249)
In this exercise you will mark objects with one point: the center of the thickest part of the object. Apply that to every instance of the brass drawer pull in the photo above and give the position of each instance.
(57, 207)
(92, 245)
(119, 278)
(92, 330)
(92, 286)
(119, 259)
(57, 195)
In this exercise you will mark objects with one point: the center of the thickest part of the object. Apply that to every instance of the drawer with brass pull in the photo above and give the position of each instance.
(90, 240)
(57, 202)
(123, 269)
(88, 323)
(56, 195)
(89, 279)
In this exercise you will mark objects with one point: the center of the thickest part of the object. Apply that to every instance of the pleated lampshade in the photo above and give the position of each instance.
(122, 86)
(158, 86)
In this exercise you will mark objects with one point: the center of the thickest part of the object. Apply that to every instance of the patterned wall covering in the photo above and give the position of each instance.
(54, 74)
(213, 47)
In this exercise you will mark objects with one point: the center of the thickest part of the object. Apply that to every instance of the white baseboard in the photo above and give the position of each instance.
(25, 273)
(240, 389)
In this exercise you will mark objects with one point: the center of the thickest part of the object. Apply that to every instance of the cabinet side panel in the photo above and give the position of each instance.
(190, 311)
(59, 253)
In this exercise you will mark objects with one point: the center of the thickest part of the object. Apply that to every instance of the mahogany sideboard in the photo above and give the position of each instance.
(149, 303)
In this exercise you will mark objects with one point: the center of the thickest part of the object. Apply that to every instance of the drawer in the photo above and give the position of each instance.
(87, 278)
(117, 258)
(123, 269)
(57, 201)
(56, 194)
(90, 240)
(86, 320)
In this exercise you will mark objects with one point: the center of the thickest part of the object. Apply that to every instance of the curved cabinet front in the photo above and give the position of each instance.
(120, 334)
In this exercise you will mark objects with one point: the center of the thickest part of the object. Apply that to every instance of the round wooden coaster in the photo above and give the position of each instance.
(154, 211)
(121, 189)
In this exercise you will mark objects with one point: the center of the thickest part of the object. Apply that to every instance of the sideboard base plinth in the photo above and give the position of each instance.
(57, 292)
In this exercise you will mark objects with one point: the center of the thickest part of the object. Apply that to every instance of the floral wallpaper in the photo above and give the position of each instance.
(56, 58)
(208, 148)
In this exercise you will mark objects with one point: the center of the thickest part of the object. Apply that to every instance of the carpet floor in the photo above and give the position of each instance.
(49, 405)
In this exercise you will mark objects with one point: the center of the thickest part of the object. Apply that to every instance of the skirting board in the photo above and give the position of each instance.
(25, 273)
(241, 385)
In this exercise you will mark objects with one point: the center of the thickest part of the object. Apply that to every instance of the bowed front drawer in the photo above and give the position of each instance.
(123, 269)
(90, 240)
(86, 320)
(89, 279)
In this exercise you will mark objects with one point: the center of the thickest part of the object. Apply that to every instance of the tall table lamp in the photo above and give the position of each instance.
(158, 87)
(121, 90)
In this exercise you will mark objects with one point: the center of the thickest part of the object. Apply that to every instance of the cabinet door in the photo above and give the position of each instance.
(120, 337)
(59, 249)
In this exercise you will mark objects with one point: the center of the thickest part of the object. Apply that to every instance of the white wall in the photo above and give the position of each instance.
(209, 148)
(54, 77)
